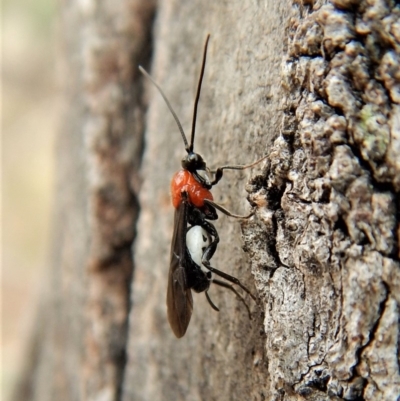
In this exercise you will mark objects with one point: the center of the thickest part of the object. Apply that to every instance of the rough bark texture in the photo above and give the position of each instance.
(316, 85)
(330, 203)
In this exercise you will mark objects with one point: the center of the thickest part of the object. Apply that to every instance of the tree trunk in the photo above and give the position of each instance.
(313, 84)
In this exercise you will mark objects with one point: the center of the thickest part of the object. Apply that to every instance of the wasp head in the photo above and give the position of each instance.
(193, 162)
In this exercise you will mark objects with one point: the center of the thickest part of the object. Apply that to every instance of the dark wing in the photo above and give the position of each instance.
(179, 296)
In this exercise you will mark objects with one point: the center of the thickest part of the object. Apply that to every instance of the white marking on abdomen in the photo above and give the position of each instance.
(197, 240)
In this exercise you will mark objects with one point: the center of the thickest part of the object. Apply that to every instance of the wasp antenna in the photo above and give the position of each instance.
(147, 75)
(198, 95)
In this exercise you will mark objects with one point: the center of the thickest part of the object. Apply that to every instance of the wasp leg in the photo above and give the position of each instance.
(210, 250)
(230, 287)
(211, 302)
(220, 170)
(226, 276)
(225, 211)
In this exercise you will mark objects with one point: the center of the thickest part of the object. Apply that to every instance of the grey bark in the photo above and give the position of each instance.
(313, 84)
(79, 343)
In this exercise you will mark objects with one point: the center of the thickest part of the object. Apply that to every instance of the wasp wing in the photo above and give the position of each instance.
(179, 295)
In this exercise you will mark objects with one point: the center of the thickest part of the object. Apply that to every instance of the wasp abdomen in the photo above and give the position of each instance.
(198, 277)
(197, 241)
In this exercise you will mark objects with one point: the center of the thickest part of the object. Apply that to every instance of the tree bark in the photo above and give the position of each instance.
(313, 84)
(79, 343)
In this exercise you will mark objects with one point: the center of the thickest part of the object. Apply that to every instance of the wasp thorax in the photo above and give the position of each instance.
(193, 162)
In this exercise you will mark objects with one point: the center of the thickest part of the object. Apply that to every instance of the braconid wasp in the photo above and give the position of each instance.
(195, 239)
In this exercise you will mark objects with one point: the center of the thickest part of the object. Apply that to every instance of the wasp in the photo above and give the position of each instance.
(195, 239)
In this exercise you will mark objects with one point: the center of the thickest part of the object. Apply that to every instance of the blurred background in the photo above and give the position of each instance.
(30, 114)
